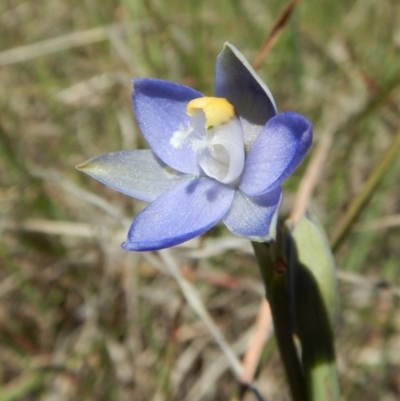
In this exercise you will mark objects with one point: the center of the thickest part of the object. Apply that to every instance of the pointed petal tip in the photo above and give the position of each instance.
(133, 247)
(136, 173)
(83, 166)
(228, 44)
(138, 247)
(146, 246)
(237, 81)
(89, 166)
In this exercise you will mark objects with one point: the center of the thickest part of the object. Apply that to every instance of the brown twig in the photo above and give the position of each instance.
(252, 356)
(311, 177)
(273, 35)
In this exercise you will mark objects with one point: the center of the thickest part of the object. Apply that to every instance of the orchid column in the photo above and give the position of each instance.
(213, 158)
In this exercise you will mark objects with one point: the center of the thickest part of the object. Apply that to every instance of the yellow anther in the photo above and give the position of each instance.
(217, 110)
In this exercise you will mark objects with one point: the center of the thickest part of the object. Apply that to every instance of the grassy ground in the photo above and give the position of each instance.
(82, 320)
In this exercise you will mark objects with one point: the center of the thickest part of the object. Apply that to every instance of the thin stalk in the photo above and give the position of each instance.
(364, 196)
(275, 281)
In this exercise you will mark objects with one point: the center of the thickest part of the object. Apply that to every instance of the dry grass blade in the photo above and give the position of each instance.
(186, 360)
(262, 330)
(273, 35)
(194, 300)
(216, 246)
(206, 382)
(51, 227)
(83, 90)
(311, 177)
(123, 368)
(380, 224)
(367, 282)
(82, 194)
(65, 42)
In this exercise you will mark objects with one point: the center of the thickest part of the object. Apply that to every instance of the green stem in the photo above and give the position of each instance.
(276, 284)
(362, 198)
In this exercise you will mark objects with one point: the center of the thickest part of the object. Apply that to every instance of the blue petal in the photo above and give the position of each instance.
(137, 173)
(160, 109)
(254, 217)
(188, 210)
(276, 153)
(237, 81)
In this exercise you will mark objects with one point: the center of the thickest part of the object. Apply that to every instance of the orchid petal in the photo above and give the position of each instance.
(254, 217)
(277, 152)
(137, 173)
(237, 81)
(188, 210)
(160, 109)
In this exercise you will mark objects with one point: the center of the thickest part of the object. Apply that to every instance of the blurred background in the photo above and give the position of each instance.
(80, 319)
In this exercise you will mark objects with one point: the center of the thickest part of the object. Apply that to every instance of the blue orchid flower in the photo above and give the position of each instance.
(212, 158)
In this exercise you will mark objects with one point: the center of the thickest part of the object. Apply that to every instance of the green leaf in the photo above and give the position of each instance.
(315, 305)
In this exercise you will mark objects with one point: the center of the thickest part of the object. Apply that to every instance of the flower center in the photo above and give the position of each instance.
(215, 135)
